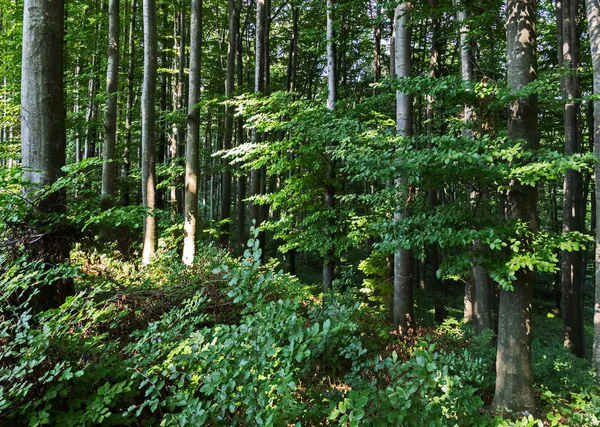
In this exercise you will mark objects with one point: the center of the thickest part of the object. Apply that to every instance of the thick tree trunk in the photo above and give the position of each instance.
(43, 136)
(110, 121)
(593, 16)
(192, 151)
(148, 131)
(514, 391)
(573, 283)
(403, 317)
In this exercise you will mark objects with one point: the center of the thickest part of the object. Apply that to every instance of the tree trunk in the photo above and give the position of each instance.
(192, 150)
(514, 391)
(593, 16)
(403, 317)
(259, 73)
(573, 284)
(43, 135)
(329, 261)
(129, 114)
(148, 131)
(234, 24)
(110, 122)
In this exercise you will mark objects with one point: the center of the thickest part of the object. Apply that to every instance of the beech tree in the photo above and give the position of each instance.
(593, 17)
(110, 121)
(43, 138)
(329, 261)
(403, 316)
(148, 131)
(514, 383)
(193, 137)
(572, 267)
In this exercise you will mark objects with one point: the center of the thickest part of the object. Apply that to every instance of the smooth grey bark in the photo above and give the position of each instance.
(241, 217)
(89, 149)
(478, 289)
(329, 260)
(572, 270)
(178, 146)
(234, 24)
(192, 150)
(292, 64)
(403, 317)
(593, 16)
(514, 390)
(43, 135)
(148, 130)
(259, 72)
(439, 292)
(110, 120)
(125, 199)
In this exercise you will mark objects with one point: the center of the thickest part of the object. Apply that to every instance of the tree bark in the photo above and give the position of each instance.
(110, 121)
(403, 317)
(234, 24)
(573, 283)
(43, 135)
(259, 73)
(148, 131)
(192, 151)
(514, 391)
(125, 199)
(593, 16)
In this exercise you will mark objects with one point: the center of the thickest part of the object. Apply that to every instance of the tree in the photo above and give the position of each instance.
(259, 73)
(43, 136)
(192, 153)
(110, 121)
(514, 391)
(329, 261)
(234, 24)
(593, 16)
(148, 131)
(125, 197)
(403, 297)
(572, 267)
(477, 290)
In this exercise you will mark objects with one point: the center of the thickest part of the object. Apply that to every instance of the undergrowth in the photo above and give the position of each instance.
(231, 342)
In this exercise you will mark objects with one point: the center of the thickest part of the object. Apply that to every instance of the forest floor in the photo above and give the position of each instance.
(232, 342)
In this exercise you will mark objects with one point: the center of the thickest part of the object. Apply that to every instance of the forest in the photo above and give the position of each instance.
(299, 213)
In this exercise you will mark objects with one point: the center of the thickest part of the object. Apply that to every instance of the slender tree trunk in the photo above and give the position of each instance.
(43, 135)
(181, 130)
(234, 24)
(259, 72)
(293, 52)
(192, 152)
(573, 285)
(148, 131)
(477, 298)
(240, 140)
(129, 114)
(403, 317)
(89, 145)
(110, 122)
(514, 391)
(329, 261)
(439, 294)
(593, 16)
